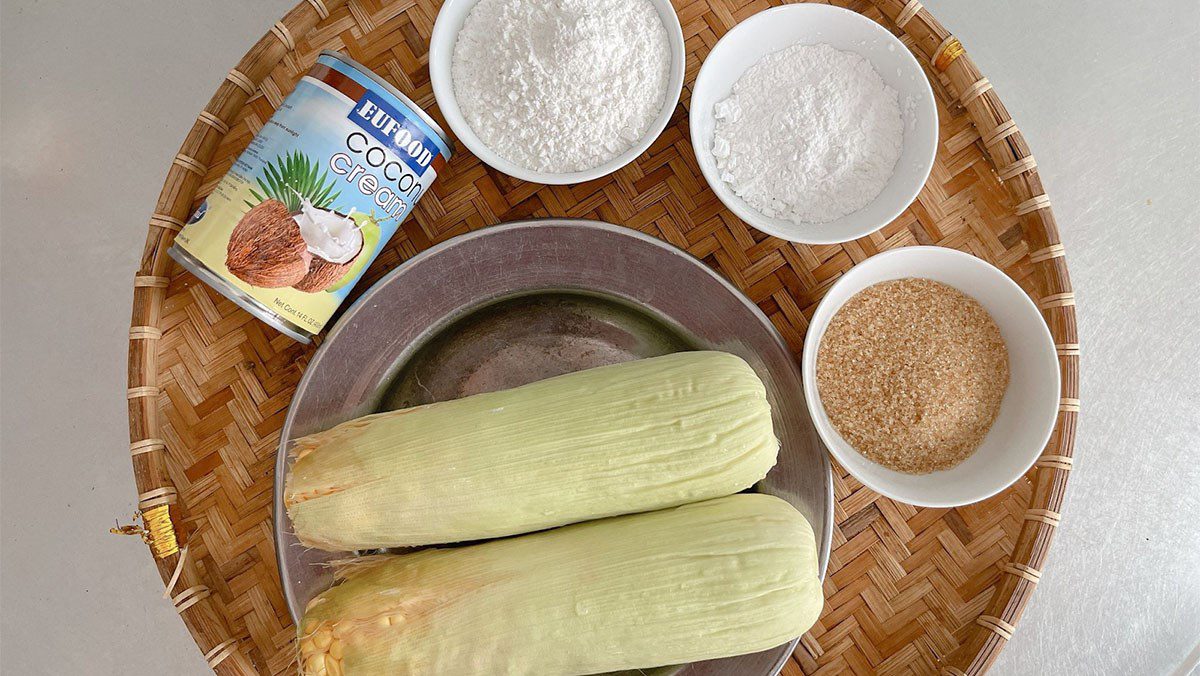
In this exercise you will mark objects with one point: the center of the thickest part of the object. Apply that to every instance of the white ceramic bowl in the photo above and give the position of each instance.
(774, 29)
(1027, 412)
(449, 21)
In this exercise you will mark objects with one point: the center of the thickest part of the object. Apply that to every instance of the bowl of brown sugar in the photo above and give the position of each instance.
(931, 376)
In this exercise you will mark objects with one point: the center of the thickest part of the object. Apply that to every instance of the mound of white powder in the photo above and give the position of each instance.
(561, 85)
(809, 134)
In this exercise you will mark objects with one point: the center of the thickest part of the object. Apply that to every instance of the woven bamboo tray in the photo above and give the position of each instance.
(921, 590)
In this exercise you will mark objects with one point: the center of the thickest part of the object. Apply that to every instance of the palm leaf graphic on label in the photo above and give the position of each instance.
(292, 178)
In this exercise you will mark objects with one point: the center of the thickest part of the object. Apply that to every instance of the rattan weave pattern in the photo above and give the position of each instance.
(908, 589)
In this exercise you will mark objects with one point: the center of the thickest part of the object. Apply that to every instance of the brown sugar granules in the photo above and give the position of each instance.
(911, 373)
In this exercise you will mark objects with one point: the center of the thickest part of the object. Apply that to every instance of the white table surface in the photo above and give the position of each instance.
(96, 96)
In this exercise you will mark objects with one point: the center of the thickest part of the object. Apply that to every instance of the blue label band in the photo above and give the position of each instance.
(395, 131)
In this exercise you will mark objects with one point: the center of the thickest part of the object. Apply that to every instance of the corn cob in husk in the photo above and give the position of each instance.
(712, 579)
(613, 440)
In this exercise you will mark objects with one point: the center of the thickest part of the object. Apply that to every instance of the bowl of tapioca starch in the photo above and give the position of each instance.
(813, 123)
(557, 91)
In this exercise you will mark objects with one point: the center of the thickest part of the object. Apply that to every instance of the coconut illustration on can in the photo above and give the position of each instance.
(309, 250)
(306, 208)
(334, 241)
(292, 237)
(266, 248)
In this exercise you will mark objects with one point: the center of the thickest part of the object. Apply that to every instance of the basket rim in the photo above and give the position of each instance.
(1003, 145)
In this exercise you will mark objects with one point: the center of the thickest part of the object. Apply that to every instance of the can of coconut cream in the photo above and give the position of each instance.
(308, 205)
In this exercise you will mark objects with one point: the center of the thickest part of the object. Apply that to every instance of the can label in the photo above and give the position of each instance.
(309, 204)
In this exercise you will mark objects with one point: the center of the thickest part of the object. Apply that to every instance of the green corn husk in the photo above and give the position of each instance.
(614, 440)
(712, 579)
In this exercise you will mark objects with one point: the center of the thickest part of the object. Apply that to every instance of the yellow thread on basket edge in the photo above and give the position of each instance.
(161, 530)
(950, 50)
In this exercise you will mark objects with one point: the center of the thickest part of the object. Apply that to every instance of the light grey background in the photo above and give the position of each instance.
(96, 97)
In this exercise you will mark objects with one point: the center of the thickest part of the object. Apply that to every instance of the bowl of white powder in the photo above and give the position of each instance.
(813, 123)
(557, 91)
